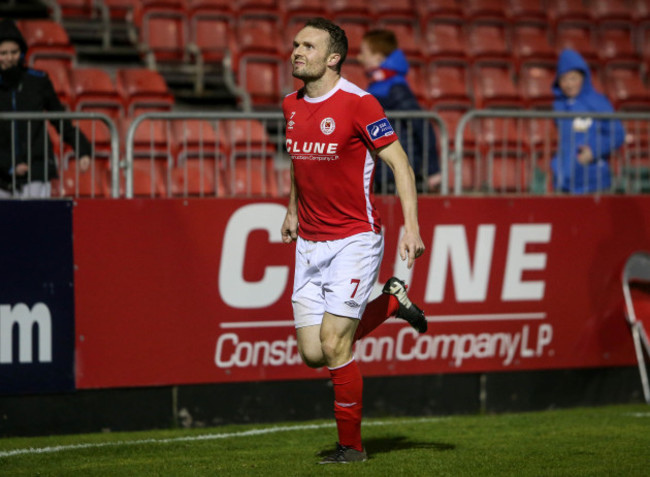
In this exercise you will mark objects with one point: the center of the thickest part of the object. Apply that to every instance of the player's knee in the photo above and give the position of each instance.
(333, 347)
(312, 357)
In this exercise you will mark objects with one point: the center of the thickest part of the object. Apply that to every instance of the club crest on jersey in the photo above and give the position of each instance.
(379, 129)
(327, 126)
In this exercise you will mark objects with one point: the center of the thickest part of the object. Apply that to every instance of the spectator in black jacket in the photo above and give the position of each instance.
(386, 67)
(22, 90)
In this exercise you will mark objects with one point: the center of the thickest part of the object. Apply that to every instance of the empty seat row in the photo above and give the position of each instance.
(392, 10)
(178, 157)
(447, 86)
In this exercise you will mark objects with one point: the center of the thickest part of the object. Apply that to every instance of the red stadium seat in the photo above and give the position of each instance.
(262, 76)
(259, 34)
(417, 81)
(267, 8)
(298, 11)
(339, 8)
(202, 158)
(284, 181)
(141, 89)
(535, 86)
(448, 87)
(492, 11)
(165, 39)
(445, 42)
(531, 46)
(568, 12)
(199, 138)
(509, 174)
(439, 11)
(468, 176)
(164, 32)
(93, 89)
(500, 133)
(253, 176)
(488, 44)
(47, 39)
(451, 118)
(153, 152)
(78, 9)
(527, 12)
(213, 31)
(626, 90)
(578, 39)
(504, 163)
(248, 135)
(392, 14)
(99, 135)
(95, 182)
(606, 12)
(149, 178)
(494, 87)
(224, 6)
(121, 9)
(616, 47)
(540, 140)
(640, 10)
(151, 137)
(200, 177)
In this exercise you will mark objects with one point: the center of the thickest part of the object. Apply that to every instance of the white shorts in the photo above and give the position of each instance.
(335, 276)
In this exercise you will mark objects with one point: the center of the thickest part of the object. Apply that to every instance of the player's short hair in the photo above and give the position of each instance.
(381, 41)
(338, 39)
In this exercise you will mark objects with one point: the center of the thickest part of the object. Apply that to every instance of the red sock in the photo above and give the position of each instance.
(377, 311)
(348, 392)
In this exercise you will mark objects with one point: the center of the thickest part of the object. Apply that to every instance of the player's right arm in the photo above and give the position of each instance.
(290, 224)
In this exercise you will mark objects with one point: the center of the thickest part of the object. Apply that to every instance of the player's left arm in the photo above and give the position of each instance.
(411, 245)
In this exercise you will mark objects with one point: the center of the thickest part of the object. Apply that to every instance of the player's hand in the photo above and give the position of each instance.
(84, 163)
(585, 155)
(411, 247)
(433, 182)
(21, 169)
(290, 228)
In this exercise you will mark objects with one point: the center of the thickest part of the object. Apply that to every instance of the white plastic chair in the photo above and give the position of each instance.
(637, 270)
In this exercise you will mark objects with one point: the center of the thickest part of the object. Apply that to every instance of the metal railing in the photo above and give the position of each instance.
(62, 155)
(511, 151)
(235, 154)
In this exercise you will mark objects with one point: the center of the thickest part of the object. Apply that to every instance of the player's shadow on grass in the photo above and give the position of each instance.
(380, 445)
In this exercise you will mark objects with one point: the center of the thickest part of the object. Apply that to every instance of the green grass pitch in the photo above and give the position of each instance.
(600, 441)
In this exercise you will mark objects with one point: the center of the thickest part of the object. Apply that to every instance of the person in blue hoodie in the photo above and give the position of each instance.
(386, 67)
(581, 164)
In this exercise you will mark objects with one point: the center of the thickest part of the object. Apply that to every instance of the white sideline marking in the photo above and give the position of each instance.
(431, 318)
(638, 414)
(202, 437)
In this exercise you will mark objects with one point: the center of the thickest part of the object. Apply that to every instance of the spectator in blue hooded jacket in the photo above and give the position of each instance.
(581, 163)
(386, 67)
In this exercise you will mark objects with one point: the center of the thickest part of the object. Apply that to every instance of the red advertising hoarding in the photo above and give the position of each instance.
(198, 291)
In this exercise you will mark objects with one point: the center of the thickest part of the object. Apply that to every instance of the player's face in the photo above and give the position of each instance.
(571, 83)
(310, 53)
(9, 54)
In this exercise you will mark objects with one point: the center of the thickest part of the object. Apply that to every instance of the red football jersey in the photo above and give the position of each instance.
(329, 139)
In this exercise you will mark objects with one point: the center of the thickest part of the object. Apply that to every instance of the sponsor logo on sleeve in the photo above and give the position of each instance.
(379, 129)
